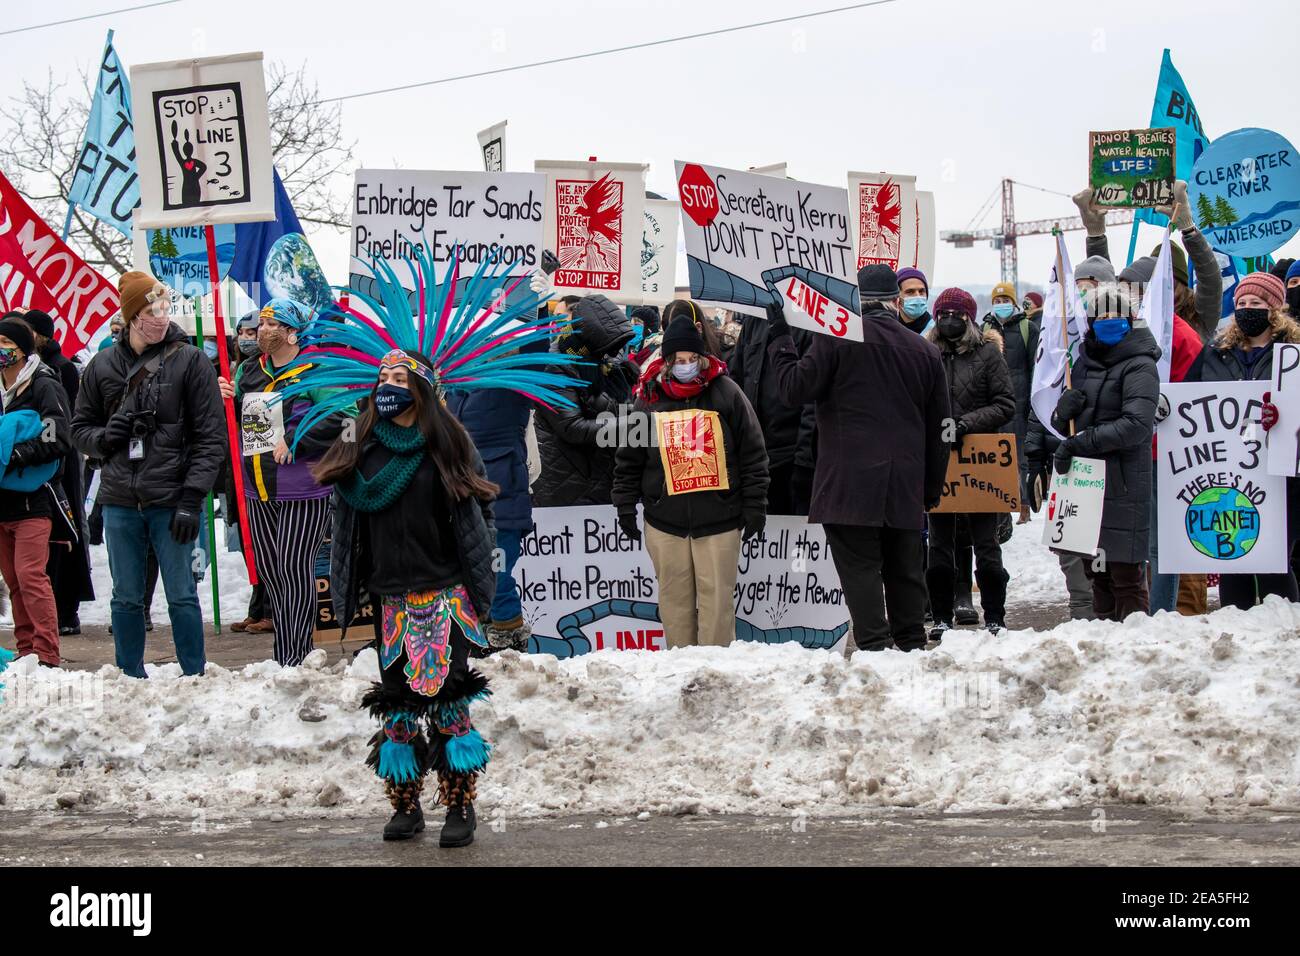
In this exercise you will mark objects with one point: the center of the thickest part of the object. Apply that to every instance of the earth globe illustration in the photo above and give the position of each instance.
(291, 272)
(1222, 523)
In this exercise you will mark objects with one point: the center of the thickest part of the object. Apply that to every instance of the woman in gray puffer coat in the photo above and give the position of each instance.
(983, 401)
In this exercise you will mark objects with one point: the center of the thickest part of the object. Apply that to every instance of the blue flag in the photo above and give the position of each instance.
(253, 242)
(105, 183)
(1173, 107)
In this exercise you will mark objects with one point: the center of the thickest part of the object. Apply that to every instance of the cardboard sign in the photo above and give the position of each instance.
(884, 209)
(983, 476)
(261, 423)
(1245, 192)
(753, 241)
(691, 451)
(1133, 167)
(659, 252)
(594, 220)
(1074, 506)
(203, 142)
(1220, 512)
(492, 141)
(396, 212)
(586, 586)
(40, 271)
(1283, 439)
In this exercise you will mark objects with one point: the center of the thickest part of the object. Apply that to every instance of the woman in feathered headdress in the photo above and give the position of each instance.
(413, 511)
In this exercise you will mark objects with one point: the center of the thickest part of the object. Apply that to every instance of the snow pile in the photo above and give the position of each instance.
(1169, 710)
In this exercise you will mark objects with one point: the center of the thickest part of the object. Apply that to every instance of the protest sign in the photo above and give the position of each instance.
(326, 620)
(1245, 192)
(178, 255)
(39, 271)
(594, 215)
(492, 141)
(1074, 506)
(884, 211)
(261, 423)
(752, 240)
(586, 586)
(396, 212)
(1132, 167)
(104, 182)
(1219, 510)
(1283, 439)
(983, 476)
(659, 252)
(927, 235)
(203, 141)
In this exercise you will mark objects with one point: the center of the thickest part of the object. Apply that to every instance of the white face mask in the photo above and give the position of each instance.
(687, 372)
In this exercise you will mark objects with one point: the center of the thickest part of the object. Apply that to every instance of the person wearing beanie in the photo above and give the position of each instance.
(149, 412)
(702, 483)
(881, 408)
(1092, 272)
(913, 300)
(288, 510)
(982, 402)
(1032, 303)
(1243, 351)
(32, 515)
(1292, 281)
(1112, 405)
(1019, 333)
(1200, 309)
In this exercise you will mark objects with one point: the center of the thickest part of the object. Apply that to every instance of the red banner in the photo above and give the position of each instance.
(39, 271)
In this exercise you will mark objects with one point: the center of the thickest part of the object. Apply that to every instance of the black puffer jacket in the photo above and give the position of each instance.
(43, 395)
(1019, 348)
(472, 526)
(639, 472)
(1122, 386)
(183, 453)
(787, 430)
(979, 384)
(1225, 358)
(576, 469)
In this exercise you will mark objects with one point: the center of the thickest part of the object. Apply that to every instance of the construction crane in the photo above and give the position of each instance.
(1004, 238)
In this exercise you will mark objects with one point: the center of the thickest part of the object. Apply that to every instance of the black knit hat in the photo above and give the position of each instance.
(40, 322)
(17, 332)
(682, 336)
(648, 316)
(878, 282)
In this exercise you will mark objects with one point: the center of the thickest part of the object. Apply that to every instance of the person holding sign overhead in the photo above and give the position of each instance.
(982, 401)
(881, 405)
(703, 484)
(1243, 351)
(288, 510)
(1111, 409)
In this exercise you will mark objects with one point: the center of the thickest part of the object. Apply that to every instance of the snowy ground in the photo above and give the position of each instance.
(1188, 712)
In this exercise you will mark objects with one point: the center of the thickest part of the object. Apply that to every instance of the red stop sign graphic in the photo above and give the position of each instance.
(699, 195)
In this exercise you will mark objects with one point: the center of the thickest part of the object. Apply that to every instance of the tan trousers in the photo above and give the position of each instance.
(697, 584)
(1192, 598)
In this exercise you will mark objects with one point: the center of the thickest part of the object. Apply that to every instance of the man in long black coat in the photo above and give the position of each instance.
(881, 405)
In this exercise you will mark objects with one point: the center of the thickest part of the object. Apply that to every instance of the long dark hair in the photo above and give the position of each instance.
(708, 331)
(449, 444)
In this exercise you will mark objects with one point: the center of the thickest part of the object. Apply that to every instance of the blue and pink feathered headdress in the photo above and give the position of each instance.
(471, 345)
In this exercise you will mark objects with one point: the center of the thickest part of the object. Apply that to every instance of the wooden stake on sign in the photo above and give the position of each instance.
(223, 356)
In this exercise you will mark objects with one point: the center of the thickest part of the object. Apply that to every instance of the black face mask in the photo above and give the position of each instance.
(1293, 299)
(1252, 322)
(951, 327)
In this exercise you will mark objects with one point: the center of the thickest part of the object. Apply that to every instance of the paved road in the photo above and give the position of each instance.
(1138, 836)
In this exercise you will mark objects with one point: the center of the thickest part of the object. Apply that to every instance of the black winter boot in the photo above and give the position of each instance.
(408, 818)
(993, 597)
(939, 581)
(457, 792)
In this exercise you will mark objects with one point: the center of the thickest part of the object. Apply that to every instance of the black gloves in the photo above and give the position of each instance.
(1070, 404)
(777, 325)
(755, 522)
(1064, 455)
(185, 519)
(627, 521)
(962, 428)
(117, 432)
(933, 503)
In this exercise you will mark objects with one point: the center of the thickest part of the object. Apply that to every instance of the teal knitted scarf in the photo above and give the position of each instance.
(375, 494)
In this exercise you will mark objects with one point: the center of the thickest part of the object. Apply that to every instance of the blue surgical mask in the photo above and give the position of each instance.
(210, 348)
(391, 400)
(1110, 331)
(1004, 310)
(915, 306)
(686, 373)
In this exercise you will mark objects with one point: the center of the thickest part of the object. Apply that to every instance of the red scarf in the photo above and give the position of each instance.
(654, 375)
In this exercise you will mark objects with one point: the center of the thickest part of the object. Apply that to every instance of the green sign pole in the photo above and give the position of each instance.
(212, 524)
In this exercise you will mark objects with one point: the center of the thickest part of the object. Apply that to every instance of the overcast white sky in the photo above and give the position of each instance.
(960, 94)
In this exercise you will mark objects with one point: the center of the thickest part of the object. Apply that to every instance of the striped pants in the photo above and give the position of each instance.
(286, 537)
